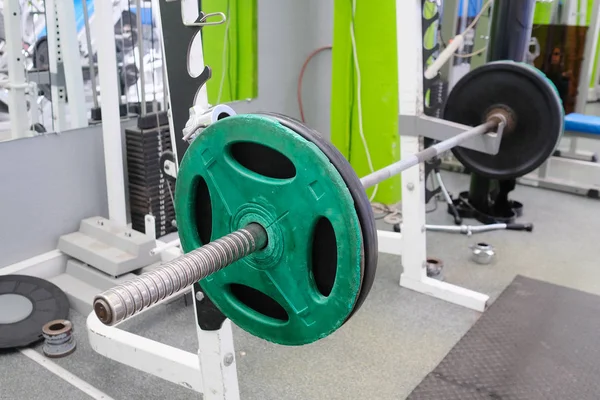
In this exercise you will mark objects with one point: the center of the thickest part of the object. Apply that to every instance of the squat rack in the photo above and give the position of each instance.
(212, 371)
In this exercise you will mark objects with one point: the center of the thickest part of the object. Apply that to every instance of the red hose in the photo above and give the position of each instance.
(301, 76)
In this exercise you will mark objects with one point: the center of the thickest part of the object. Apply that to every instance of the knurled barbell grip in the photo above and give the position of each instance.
(121, 302)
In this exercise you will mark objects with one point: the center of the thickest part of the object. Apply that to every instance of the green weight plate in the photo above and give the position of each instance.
(361, 201)
(305, 283)
(532, 100)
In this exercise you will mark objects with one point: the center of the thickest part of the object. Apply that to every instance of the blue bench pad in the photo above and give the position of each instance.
(581, 123)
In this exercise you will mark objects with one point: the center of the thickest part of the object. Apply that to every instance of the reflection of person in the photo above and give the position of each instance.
(555, 73)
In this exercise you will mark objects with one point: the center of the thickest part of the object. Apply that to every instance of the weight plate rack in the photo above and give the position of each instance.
(149, 191)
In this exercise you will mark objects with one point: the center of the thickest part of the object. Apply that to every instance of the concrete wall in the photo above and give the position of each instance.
(288, 31)
(47, 185)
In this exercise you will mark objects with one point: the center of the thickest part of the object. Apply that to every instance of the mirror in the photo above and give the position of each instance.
(49, 71)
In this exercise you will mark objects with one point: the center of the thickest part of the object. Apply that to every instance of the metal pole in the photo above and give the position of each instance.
(427, 154)
(111, 121)
(140, 33)
(69, 56)
(123, 301)
(16, 70)
(510, 30)
(88, 39)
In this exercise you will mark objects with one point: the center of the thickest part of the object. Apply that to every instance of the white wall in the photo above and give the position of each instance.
(288, 31)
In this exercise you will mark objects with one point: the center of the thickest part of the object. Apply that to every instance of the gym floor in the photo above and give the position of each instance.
(384, 351)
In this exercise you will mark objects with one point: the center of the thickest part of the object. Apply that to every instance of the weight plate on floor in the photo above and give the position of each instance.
(536, 117)
(26, 304)
(361, 201)
(306, 282)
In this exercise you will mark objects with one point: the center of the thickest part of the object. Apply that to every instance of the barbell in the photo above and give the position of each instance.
(277, 226)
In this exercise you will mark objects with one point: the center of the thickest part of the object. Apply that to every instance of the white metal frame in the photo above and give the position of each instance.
(111, 119)
(17, 84)
(71, 60)
(215, 375)
(212, 371)
(65, 63)
(410, 101)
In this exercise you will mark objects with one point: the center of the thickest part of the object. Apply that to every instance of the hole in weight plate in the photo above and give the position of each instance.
(258, 301)
(222, 115)
(57, 327)
(203, 211)
(324, 256)
(262, 160)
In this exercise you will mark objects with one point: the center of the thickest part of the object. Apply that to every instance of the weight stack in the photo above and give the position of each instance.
(149, 190)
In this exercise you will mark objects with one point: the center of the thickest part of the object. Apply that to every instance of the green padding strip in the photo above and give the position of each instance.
(241, 54)
(542, 14)
(594, 76)
(375, 32)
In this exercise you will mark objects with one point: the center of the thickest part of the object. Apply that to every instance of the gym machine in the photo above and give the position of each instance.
(279, 233)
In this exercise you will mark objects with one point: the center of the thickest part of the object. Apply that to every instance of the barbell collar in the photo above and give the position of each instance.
(121, 302)
(494, 121)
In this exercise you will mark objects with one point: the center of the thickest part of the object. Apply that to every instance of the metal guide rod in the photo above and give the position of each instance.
(123, 301)
(429, 153)
(88, 40)
(140, 43)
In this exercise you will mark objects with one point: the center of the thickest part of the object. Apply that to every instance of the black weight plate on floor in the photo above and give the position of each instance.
(361, 201)
(49, 303)
(533, 99)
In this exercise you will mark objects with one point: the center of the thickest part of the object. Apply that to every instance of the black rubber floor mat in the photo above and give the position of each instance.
(536, 341)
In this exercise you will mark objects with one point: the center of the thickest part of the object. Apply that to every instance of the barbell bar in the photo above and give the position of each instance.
(495, 121)
(303, 252)
(122, 302)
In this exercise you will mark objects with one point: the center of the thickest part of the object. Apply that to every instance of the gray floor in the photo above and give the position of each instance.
(385, 350)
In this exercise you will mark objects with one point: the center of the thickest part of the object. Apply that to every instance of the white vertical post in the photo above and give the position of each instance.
(166, 100)
(111, 120)
(16, 70)
(150, 226)
(217, 358)
(410, 101)
(410, 92)
(141, 54)
(591, 40)
(69, 43)
(55, 63)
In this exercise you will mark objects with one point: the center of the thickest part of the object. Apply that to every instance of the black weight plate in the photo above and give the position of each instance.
(361, 201)
(48, 303)
(533, 100)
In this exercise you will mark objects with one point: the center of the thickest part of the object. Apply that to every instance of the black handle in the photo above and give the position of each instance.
(520, 227)
(457, 218)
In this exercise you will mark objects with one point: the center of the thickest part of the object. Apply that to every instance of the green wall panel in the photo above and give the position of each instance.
(240, 80)
(375, 33)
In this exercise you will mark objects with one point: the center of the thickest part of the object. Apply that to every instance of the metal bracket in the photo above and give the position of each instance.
(439, 129)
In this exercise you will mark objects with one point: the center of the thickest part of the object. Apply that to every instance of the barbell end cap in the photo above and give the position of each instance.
(103, 311)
